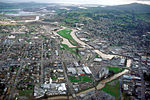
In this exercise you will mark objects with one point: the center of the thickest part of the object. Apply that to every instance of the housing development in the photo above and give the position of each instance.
(74, 52)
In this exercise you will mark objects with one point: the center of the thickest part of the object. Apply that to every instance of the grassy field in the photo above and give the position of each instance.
(73, 49)
(4, 33)
(71, 20)
(42, 37)
(7, 12)
(24, 35)
(66, 34)
(80, 79)
(54, 77)
(112, 89)
(115, 69)
(25, 93)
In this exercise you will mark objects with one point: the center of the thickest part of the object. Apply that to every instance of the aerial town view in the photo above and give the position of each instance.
(75, 50)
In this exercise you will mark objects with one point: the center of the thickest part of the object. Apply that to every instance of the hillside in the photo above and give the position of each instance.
(138, 8)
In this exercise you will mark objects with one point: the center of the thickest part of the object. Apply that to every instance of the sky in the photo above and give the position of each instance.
(101, 2)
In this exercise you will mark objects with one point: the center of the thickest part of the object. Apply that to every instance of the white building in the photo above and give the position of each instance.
(72, 70)
(76, 63)
(125, 87)
(87, 70)
(97, 59)
(56, 52)
(122, 62)
(103, 72)
(11, 36)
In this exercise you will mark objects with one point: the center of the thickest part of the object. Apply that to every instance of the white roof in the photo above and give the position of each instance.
(56, 52)
(76, 63)
(122, 61)
(125, 86)
(79, 70)
(46, 85)
(11, 37)
(87, 70)
(50, 80)
(131, 77)
(83, 39)
(62, 87)
(98, 59)
(72, 70)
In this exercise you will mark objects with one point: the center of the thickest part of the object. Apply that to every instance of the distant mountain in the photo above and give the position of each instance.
(6, 5)
(20, 5)
(136, 7)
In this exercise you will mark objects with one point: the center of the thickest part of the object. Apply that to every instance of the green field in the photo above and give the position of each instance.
(66, 34)
(7, 12)
(4, 33)
(70, 20)
(115, 69)
(25, 93)
(80, 79)
(53, 77)
(73, 49)
(24, 35)
(42, 36)
(112, 89)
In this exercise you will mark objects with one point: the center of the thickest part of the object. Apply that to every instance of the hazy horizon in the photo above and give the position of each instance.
(100, 2)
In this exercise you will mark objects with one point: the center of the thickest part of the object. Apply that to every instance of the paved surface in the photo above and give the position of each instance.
(12, 91)
(68, 82)
(143, 83)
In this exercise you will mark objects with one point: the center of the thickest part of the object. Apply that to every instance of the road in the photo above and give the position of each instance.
(70, 86)
(12, 91)
(142, 82)
(68, 82)
(42, 72)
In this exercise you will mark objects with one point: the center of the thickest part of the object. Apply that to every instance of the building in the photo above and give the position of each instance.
(87, 70)
(79, 71)
(122, 62)
(76, 64)
(97, 59)
(103, 72)
(72, 70)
